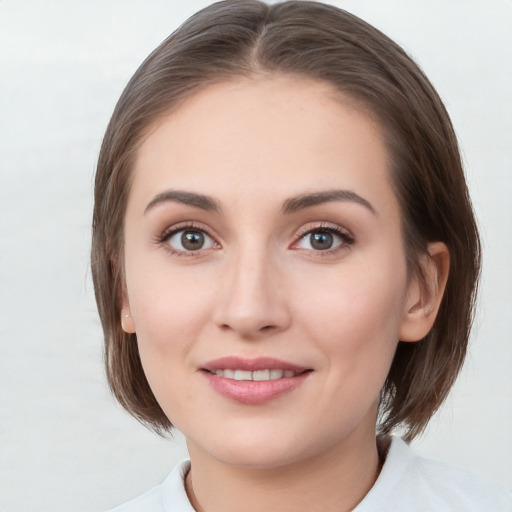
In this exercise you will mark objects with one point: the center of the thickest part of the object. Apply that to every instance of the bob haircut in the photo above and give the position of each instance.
(243, 39)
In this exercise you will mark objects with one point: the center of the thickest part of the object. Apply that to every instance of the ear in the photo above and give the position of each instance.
(425, 293)
(127, 322)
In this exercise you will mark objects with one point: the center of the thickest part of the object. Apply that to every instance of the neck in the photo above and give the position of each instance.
(336, 480)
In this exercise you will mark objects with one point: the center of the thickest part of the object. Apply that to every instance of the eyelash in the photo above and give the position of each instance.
(346, 238)
(170, 232)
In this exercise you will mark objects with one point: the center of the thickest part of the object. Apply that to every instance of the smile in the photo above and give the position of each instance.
(257, 375)
(254, 381)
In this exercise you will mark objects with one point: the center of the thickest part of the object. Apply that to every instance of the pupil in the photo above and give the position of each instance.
(192, 240)
(321, 240)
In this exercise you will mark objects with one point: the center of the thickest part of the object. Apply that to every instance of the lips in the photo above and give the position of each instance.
(251, 365)
(253, 381)
(257, 375)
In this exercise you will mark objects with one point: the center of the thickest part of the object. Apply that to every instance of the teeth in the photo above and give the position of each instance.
(261, 375)
(258, 375)
(242, 375)
(276, 374)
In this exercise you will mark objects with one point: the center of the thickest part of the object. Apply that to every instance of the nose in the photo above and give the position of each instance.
(252, 302)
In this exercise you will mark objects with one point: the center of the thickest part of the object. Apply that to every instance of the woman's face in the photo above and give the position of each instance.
(265, 271)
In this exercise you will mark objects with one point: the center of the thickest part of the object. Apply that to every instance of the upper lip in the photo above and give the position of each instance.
(251, 364)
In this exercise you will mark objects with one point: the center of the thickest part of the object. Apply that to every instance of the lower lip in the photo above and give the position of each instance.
(254, 392)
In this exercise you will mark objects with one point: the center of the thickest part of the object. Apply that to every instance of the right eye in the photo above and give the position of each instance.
(190, 240)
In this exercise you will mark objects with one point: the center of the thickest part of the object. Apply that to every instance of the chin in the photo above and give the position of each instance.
(252, 448)
(258, 458)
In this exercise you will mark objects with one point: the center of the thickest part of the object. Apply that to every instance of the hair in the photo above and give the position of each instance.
(237, 39)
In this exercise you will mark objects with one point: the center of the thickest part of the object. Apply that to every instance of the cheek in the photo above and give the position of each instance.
(169, 309)
(355, 317)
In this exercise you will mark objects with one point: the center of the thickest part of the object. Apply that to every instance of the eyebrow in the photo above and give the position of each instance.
(291, 205)
(189, 198)
(297, 203)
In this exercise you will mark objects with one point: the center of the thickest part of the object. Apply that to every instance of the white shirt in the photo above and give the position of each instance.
(407, 483)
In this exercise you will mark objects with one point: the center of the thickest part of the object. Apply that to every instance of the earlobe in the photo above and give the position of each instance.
(127, 323)
(425, 293)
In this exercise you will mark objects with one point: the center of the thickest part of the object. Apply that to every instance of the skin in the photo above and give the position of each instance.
(259, 288)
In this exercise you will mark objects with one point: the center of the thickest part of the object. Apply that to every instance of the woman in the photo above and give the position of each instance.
(285, 261)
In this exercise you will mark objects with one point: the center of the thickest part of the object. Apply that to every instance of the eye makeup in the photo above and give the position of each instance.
(193, 239)
(324, 239)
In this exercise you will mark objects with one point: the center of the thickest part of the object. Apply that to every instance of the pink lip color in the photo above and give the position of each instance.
(248, 391)
(251, 365)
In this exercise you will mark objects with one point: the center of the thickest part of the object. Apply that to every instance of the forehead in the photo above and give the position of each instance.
(239, 137)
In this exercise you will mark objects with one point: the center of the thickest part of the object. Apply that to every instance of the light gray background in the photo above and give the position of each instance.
(64, 444)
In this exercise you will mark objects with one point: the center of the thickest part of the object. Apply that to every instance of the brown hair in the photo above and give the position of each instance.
(240, 38)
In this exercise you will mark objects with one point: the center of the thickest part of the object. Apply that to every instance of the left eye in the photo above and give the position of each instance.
(320, 240)
(188, 240)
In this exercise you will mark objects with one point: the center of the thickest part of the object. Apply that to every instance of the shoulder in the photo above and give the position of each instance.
(458, 489)
(169, 495)
(410, 482)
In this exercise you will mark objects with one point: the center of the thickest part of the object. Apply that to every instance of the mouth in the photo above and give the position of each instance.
(257, 375)
(253, 381)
